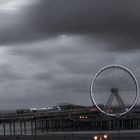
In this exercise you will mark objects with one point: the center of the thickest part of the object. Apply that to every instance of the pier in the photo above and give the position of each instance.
(65, 121)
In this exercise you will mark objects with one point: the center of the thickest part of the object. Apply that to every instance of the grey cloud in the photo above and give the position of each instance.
(59, 76)
(45, 68)
(6, 74)
(116, 23)
(43, 76)
(70, 82)
(73, 16)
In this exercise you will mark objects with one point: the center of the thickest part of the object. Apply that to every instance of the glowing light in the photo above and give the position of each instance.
(95, 137)
(105, 136)
(126, 109)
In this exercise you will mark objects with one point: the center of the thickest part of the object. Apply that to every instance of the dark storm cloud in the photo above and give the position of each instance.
(52, 49)
(78, 16)
(112, 22)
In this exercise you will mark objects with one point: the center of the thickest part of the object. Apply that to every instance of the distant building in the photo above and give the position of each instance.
(68, 106)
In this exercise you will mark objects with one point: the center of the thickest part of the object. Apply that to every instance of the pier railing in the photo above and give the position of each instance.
(83, 121)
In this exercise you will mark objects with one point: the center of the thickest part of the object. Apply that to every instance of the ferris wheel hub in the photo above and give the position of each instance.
(114, 90)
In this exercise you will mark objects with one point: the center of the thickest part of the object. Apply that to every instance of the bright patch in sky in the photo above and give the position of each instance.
(12, 5)
(62, 36)
(3, 55)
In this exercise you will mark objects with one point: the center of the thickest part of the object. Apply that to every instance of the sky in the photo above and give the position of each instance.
(51, 49)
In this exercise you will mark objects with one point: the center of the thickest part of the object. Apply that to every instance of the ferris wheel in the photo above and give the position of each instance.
(114, 90)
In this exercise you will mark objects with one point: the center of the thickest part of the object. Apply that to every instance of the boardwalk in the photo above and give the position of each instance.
(65, 121)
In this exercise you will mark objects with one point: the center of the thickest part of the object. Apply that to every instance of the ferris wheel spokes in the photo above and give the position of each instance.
(114, 90)
(114, 93)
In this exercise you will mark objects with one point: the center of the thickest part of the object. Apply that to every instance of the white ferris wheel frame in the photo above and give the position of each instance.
(126, 70)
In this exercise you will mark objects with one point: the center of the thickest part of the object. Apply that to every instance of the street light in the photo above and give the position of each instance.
(105, 136)
(101, 137)
(95, 137)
